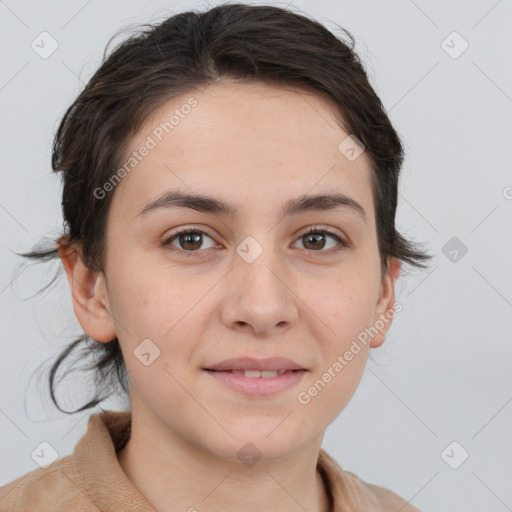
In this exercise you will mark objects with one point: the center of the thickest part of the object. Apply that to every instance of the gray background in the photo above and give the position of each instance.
(444, 372)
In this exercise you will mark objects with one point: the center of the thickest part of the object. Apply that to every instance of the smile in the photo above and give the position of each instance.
(257, 382)
(259, 373)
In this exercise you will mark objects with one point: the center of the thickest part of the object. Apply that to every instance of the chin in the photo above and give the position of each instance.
(261, 441)
(250, 453)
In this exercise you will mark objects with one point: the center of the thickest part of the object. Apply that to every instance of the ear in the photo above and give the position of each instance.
(89, 295)
(383, 315)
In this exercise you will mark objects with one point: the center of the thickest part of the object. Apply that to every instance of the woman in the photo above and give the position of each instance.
(230, 189)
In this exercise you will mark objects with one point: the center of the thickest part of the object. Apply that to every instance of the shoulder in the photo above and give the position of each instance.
(352, 494)
(89, 479)
(46, 489)
(385, 499)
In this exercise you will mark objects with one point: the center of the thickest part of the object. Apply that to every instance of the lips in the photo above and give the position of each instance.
(257, 378)
(251, 367)
(259, 373)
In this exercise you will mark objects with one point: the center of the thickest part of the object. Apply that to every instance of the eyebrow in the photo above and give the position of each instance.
(209, 204)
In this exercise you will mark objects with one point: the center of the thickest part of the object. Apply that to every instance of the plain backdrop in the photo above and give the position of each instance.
(439, 389)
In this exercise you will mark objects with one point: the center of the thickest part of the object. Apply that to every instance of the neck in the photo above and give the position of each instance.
(191, 479)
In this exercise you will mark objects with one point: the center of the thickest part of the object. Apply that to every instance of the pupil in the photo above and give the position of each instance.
(197, 237)
(315, 237)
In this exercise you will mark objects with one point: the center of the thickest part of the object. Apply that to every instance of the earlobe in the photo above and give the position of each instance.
(384, 310)
(89, 296)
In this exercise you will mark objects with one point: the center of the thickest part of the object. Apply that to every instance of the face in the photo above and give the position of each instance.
(252, 284)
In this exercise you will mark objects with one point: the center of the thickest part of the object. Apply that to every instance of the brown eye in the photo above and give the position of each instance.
(314, 240)
(188, 240)
(317, 239)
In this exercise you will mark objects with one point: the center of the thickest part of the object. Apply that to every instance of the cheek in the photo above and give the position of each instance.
(170, 312)
(331, 386)
(345, 305)
(150, 300)
(321, 400)
(346, 308)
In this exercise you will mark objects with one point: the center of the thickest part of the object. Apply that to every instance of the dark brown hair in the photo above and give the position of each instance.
(195, 49)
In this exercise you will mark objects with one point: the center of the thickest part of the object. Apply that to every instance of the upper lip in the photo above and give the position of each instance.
(249, 363)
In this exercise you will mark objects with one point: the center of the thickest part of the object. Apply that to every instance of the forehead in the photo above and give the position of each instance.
(244, 141)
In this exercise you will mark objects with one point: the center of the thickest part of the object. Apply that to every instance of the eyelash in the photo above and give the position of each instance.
(342, 244)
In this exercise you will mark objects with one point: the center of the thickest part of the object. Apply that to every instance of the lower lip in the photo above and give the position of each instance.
(258, 386)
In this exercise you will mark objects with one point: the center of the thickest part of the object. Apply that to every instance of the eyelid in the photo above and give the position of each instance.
(192, 228)
(343, 242)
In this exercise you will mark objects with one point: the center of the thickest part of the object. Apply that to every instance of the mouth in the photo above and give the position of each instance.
(256, 374)
(256, 383)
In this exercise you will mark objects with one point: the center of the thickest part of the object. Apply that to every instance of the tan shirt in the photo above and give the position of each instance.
(91, 479)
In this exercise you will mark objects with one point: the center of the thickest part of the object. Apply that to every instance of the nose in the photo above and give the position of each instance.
(260, 295)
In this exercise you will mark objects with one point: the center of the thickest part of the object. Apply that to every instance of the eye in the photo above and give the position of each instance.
(189, 239)
(315, 240)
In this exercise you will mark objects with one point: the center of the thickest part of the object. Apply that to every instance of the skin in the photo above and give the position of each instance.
(240, 143)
